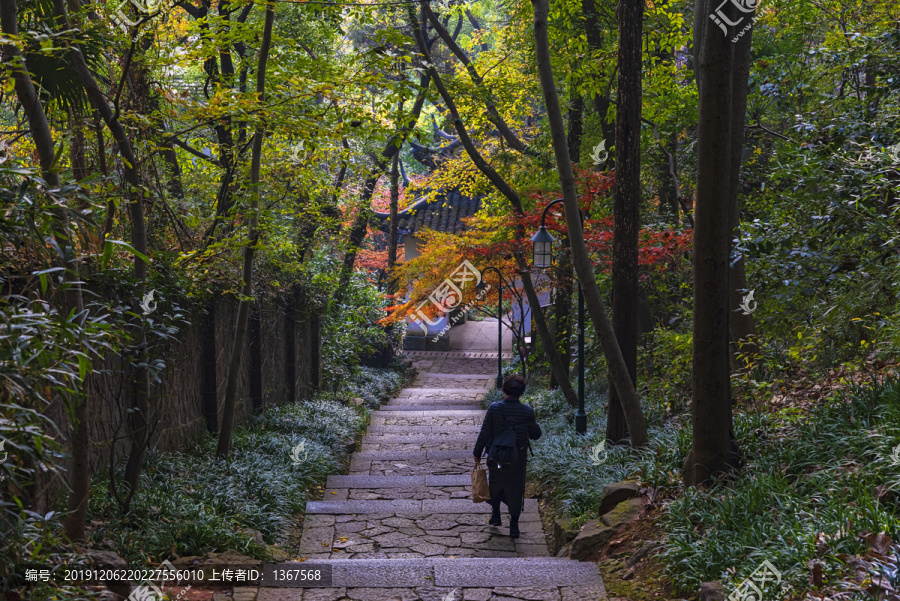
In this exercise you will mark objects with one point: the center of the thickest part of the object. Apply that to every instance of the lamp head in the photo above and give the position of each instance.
(543, 248)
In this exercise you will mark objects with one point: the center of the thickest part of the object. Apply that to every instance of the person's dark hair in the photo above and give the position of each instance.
(514, 385)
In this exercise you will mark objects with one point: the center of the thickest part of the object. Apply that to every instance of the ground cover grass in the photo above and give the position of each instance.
(191, 503)
(817, 487)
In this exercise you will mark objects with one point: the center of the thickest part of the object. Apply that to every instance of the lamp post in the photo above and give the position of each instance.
(543, 258)
(481, 286)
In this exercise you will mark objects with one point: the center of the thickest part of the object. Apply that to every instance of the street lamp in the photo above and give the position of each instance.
(481, 286)
(543, 258)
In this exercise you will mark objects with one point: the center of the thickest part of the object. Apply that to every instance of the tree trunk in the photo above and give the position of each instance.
(71, 298)
(493, 114)
(711, 450)
(563, 311)
(626, 205)
(668, 195)
(584, 269)
(742, 327)
(139, 424)
(358, 229)
(594, 33)
(240, 329)
(576, 127)
(393, 225)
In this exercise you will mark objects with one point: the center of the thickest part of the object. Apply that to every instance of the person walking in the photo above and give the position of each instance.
(507, 482)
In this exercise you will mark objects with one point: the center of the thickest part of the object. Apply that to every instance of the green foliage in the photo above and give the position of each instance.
(43, 356)
(809, 491)
(563, 462)
(190, 503)
(666, 361)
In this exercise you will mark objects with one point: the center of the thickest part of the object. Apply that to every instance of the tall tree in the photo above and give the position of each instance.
(139, 426)
(240, 328)
(71, 300)
(712, 450)
(626, 204)
(581, 261)
(557, 367)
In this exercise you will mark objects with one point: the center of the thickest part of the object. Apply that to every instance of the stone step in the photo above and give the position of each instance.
(463, 376)
(423, 454)
(395, 481)
(459, 465)
(427, 402)
(426, 408)
(432, 418)
(416, 493)
(422, 439)
(456, 354)
(441, 390)
(439, 576)
(408, 430)
(447, 443)
(406, 507)
(418, 534)
(430, 413)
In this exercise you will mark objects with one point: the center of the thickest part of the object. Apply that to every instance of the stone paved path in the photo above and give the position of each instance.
(402, 527)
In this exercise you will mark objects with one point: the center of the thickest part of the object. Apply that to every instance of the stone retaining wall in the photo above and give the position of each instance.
(281, 363)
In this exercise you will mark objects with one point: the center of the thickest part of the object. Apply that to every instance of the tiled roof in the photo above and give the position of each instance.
(444, 214)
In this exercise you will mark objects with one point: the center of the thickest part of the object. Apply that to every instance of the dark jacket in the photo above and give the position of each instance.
(523, 415)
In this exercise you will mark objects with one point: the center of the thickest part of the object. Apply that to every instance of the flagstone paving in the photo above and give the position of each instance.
(401, 525)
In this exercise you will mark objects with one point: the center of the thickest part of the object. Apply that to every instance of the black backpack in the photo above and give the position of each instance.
(504, 451)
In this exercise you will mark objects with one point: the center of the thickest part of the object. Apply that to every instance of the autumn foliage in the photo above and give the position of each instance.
(490, 240)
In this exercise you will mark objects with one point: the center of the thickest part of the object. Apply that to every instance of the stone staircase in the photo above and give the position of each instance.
(402, 527)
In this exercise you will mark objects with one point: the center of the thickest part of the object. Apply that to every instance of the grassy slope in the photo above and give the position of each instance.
(815, 483)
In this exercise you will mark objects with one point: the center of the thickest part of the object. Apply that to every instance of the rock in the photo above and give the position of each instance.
(217, 561)
(593, 536)
(563, 533)
(646, 549)
(277, 554)
(256, 535)
(106, 559)
(110, 559)
(624, 513)
(712, 591)
(615, 493)
(564, 551)
(357, 401)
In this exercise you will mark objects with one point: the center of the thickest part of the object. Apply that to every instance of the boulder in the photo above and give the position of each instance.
(564, 551)
(617, 492)
(593, 536)
(105, 559)
(256, 535)
(216, 561)
(110, 559)
(563, 533)
(623, 514)
(277, 554)
(712, 591)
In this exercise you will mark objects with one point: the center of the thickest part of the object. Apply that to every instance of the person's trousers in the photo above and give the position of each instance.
(507, 486)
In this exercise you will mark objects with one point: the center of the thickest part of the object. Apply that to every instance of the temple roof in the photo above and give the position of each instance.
(442, 214)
